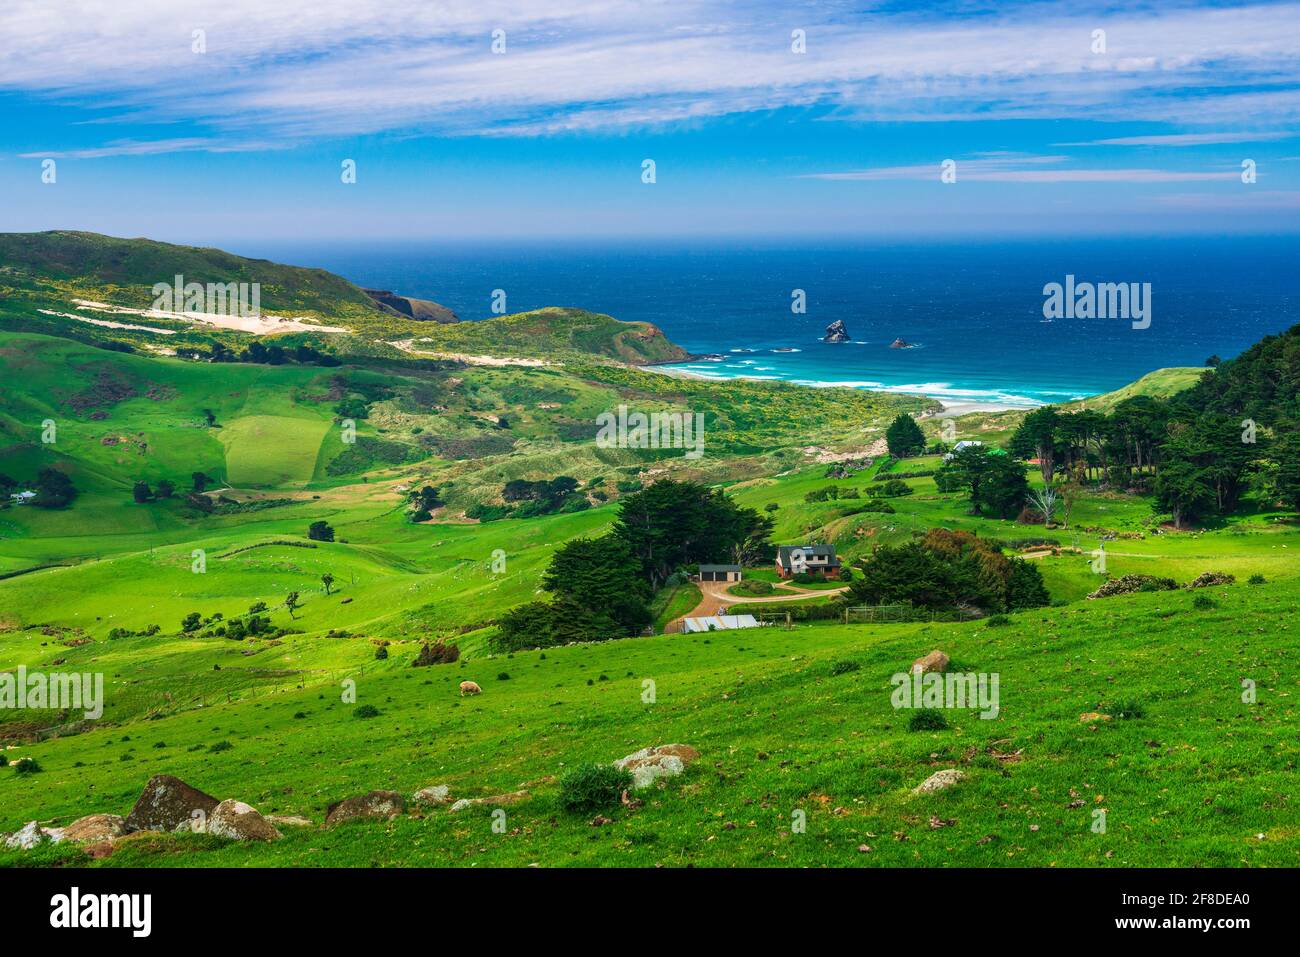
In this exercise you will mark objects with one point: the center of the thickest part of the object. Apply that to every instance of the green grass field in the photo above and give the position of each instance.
(1196, 781)
(1201, 780)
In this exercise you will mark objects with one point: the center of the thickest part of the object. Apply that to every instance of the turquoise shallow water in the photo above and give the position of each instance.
(974, 311)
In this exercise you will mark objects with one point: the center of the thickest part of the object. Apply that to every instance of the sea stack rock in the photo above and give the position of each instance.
(900, 343)
(836, 332)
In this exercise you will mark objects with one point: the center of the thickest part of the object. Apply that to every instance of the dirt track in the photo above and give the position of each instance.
(715, 598)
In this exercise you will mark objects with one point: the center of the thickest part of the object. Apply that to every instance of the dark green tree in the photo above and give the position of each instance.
(1287, 456)
(604, 577)
(671, 524)
(53, 489)
(904, 437)
(1037, 437)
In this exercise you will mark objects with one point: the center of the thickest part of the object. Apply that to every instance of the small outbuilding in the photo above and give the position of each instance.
(720, 573)
(719, 623)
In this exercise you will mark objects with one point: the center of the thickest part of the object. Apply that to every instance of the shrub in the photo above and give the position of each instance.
(1128, 584)
(927, 719)
(220, 746)
(1125, 710)
(27, 766)
(437, 653)
(915, 473)
(877, 505)
(1256, 579)
(503, 676)
(591, 787)
(997, 621)
(1204, 603)
(320, 532)
(366, 711)
(381, 653)
(844, 667)
(1210, 579)
(893, 488)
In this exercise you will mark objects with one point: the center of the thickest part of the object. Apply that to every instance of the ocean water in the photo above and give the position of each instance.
(974, 311)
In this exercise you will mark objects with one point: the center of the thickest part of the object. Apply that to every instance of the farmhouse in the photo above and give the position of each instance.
(720, 573)
(21, 498)
(806, 560)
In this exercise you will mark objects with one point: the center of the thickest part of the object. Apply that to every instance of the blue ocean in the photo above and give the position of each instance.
(972, 311)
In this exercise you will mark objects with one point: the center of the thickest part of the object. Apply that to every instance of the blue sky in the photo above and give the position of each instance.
(205, 122)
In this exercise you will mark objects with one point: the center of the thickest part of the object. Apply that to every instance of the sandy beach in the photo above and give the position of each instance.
(951, 407)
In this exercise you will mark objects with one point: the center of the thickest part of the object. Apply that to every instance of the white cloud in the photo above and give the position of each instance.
(298, 69)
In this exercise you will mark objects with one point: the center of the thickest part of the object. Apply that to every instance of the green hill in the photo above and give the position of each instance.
(46, 271)
(1160, 384)
(131, 267)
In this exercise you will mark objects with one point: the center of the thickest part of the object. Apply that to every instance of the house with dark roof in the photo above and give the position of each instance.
(806, 560)
(719, 573)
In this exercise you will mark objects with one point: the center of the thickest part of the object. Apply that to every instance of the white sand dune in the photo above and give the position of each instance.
(408, 345)
(259, 325)
(107, 323)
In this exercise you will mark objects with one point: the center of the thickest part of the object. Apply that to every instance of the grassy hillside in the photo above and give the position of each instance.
(554, 333)
(47, 271)
(130, 267)
(1200, 780)
(1160, 384)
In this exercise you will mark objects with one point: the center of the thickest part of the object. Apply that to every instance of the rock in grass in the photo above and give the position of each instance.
(383, 804)
(650, 764)
(94, 828)
(496, 800)
(1090, 716)
(939, 780)
(435, 794)
(27, 837)
(288, 820)
(237, 821)
(167, 803)
(935, 661)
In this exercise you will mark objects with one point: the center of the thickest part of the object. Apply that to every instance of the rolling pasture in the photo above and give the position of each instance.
(1200, 778)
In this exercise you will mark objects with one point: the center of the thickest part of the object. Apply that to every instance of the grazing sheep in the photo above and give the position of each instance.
(469, 687)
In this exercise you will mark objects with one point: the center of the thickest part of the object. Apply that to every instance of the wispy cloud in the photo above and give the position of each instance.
(1025, 169)
(317, 68)
(1186, 139)
(153, 148)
